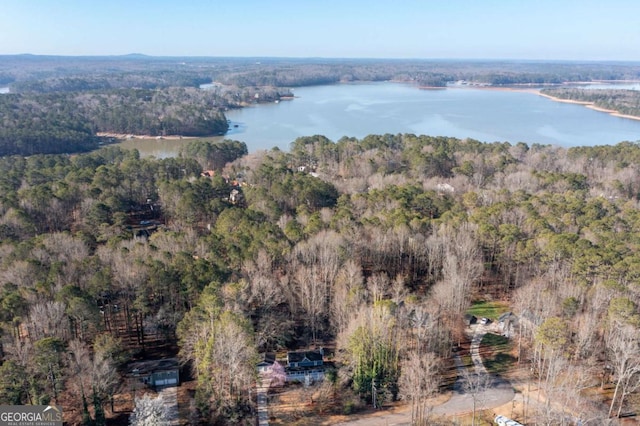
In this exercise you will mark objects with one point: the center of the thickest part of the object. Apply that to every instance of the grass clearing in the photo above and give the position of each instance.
(496, 353)
(494, 340)
(488, 309)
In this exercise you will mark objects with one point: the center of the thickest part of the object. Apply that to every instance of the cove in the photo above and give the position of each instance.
(357, 110)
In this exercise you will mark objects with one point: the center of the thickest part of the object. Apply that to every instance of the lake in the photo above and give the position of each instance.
(4, 90)
(376, 108)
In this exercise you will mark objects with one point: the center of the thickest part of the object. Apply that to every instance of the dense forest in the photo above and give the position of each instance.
(622, 101)
(372, 247)
(68, 122)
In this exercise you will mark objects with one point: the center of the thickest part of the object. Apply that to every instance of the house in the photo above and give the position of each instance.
(156, 373)
(305, 366)
(507, 323)
(266, 362)
(305, 359)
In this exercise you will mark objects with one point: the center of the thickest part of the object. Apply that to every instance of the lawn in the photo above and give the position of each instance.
(491, 310)
(496, 353)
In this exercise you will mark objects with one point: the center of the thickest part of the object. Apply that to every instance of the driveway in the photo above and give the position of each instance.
(498, 392)
(263, 388)
(170, 398)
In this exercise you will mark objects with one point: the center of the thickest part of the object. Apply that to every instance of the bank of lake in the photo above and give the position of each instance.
(356, 110)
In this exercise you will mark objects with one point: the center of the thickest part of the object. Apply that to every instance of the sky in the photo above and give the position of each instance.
(447, 29)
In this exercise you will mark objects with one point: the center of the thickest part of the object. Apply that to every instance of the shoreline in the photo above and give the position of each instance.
(587, 104)
(125, 136)
(496, 89)
(591, 105)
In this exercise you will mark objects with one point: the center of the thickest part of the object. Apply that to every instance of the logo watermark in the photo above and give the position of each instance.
(30, 415)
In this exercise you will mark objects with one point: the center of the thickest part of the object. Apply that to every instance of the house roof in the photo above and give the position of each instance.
(267, 358)
(152, 366)
(506, 315)
(300, 356)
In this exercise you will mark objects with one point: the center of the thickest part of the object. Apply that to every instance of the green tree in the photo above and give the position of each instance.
(48, 360)
(372, 349)
(220, 345)
(13, 384)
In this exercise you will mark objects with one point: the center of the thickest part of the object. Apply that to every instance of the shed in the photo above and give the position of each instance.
(470, 319)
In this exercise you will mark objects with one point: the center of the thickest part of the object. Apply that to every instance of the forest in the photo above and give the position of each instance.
(374, 248)
(625, 102)
(69, 122)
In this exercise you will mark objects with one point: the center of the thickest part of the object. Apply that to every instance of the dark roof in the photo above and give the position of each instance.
(152, 366)
(299, 356)
(267, 358)
(505, 316)
(509, 317)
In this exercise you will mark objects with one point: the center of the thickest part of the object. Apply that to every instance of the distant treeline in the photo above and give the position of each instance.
(28, 73)
(125, 80)
(623, 101)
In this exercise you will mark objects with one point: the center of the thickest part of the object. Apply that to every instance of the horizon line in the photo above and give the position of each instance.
(357, 58)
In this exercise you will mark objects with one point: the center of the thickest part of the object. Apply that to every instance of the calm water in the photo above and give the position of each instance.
(376, 108)
(4, 90)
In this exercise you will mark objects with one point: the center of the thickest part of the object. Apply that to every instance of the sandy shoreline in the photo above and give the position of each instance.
(497, 89)
(130, 136)
(590, 105)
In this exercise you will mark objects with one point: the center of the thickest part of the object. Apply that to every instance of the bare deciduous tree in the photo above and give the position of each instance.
(93, 377)
(348, 294)
(624, 354)
(418, 383)
(461, 267)
(476, 383)
(48, 319)
(149, 411)
(263, 287)
(316, 263)
(379, 286)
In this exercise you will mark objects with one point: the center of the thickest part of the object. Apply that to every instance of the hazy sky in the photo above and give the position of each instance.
(512, 29)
